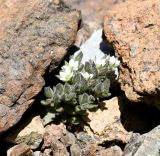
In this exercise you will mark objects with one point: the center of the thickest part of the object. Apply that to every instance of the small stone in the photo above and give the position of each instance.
(112, 151)
(85, 138)
(47, 152)
(68, 139)
(59, 149)
(52, 134)
(75, 150)
(20, 150)
(89, 150)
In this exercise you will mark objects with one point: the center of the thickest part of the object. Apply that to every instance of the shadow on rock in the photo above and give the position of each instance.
(138, 117)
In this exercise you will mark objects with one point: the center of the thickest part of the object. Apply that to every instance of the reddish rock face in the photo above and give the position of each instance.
(133, 30)
(33, 35)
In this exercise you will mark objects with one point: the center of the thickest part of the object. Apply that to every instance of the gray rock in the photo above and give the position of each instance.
(85, 138)
(144, 145)
(68, 139)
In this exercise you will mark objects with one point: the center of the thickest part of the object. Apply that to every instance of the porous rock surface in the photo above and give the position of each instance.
(33, 35)
(133, 29)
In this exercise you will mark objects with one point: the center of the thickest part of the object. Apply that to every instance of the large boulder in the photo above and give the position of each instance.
(34, 35)
(133, 30)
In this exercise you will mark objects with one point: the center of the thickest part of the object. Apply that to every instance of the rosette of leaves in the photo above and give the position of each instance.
(71, 101)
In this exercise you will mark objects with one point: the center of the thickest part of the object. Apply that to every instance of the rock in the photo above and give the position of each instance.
(30, 134)
(34, 35)
(133, 30)
(89, 150)
(105, 123)
(59, 149)
(75, 150)
(112, 151)
(57, 139)
(147, 144)
(68, 139)
(37, 153)
(47, 152)
(86, 145)
(20, 150)
(85, 138)
(52, 134)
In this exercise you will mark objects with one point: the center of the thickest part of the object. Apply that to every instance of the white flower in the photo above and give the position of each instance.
(113, 61)
(73, 64)
(64, 76)
(67, 70)
(100, 62)
(86, 75)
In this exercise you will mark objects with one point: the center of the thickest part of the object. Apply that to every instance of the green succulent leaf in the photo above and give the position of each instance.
(46, 102)
(74, 120)
(87, 106)
(88, 67)
(80, 83)
(67, 88)
(102, 89)
(69, 97)
(94, 69)
(56, 100)
(80, 68)
(83, 98)
(59, 88)
(48, 92)
(60, 110)
(79, 57)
